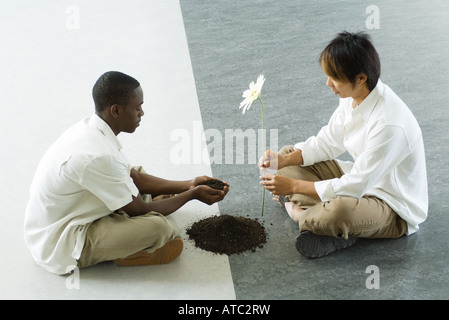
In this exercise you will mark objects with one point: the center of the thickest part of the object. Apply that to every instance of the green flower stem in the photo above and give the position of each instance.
(263, 152)
(263, 201)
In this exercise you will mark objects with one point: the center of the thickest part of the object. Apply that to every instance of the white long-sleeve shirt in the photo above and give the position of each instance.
(385, 141)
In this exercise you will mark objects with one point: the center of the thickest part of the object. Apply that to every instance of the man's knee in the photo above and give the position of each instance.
(342, 207)
(160, 226)
(338, 217)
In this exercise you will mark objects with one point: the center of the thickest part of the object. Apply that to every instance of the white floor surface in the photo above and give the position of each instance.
(51, 53)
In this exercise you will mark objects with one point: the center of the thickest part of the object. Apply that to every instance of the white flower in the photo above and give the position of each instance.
(252, 94)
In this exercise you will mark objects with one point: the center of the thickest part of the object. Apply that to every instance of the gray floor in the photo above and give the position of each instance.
(232, 42)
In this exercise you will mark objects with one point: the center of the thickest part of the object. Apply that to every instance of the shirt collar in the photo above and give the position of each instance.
(368, 104)
(96, 122)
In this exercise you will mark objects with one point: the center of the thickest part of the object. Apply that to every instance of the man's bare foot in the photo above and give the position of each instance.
(281, 200)
(276, 199)
(293, 211)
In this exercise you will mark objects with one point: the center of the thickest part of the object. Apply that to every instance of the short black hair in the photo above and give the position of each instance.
(350, 54)
(113, 87)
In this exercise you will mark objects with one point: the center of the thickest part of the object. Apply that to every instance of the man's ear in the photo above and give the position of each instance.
(114, 109)
(362, 78)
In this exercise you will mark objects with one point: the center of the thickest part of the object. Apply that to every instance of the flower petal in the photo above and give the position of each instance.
(245, 104)
(246, 93)
(252, 94)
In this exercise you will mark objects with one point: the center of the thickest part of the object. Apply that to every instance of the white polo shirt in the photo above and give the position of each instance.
(83, 177)
(386, 143)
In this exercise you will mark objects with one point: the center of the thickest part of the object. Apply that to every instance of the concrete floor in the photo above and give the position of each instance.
(232, 42)
(194, 59)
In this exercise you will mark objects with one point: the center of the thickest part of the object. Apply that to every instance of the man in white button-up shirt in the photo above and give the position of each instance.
(383, 192)
(88, 205)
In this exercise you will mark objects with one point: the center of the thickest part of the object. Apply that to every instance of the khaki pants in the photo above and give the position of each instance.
(367, 217)
(119, 235)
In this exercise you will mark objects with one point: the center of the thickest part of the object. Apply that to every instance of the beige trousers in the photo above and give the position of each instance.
(119, 235)
(367, 217)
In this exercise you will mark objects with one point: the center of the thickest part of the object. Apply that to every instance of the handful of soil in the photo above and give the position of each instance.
(214, 183)
(227, 234)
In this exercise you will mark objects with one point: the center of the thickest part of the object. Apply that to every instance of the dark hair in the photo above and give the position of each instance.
(113, 87)
(349, 55)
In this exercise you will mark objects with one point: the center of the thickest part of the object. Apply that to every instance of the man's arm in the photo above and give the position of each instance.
(148, 184)
(292, 159)
(280, 185)
(275, 161)
(156, 186)
(169, 205)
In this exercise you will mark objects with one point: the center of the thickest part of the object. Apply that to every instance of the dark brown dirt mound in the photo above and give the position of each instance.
(225, 234)
(216, 184)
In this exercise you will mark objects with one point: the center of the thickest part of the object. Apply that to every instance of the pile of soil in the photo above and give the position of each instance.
(226, 234)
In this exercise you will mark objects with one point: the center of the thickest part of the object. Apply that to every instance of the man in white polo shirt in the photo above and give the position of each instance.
(383, 192)
(88, 205)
